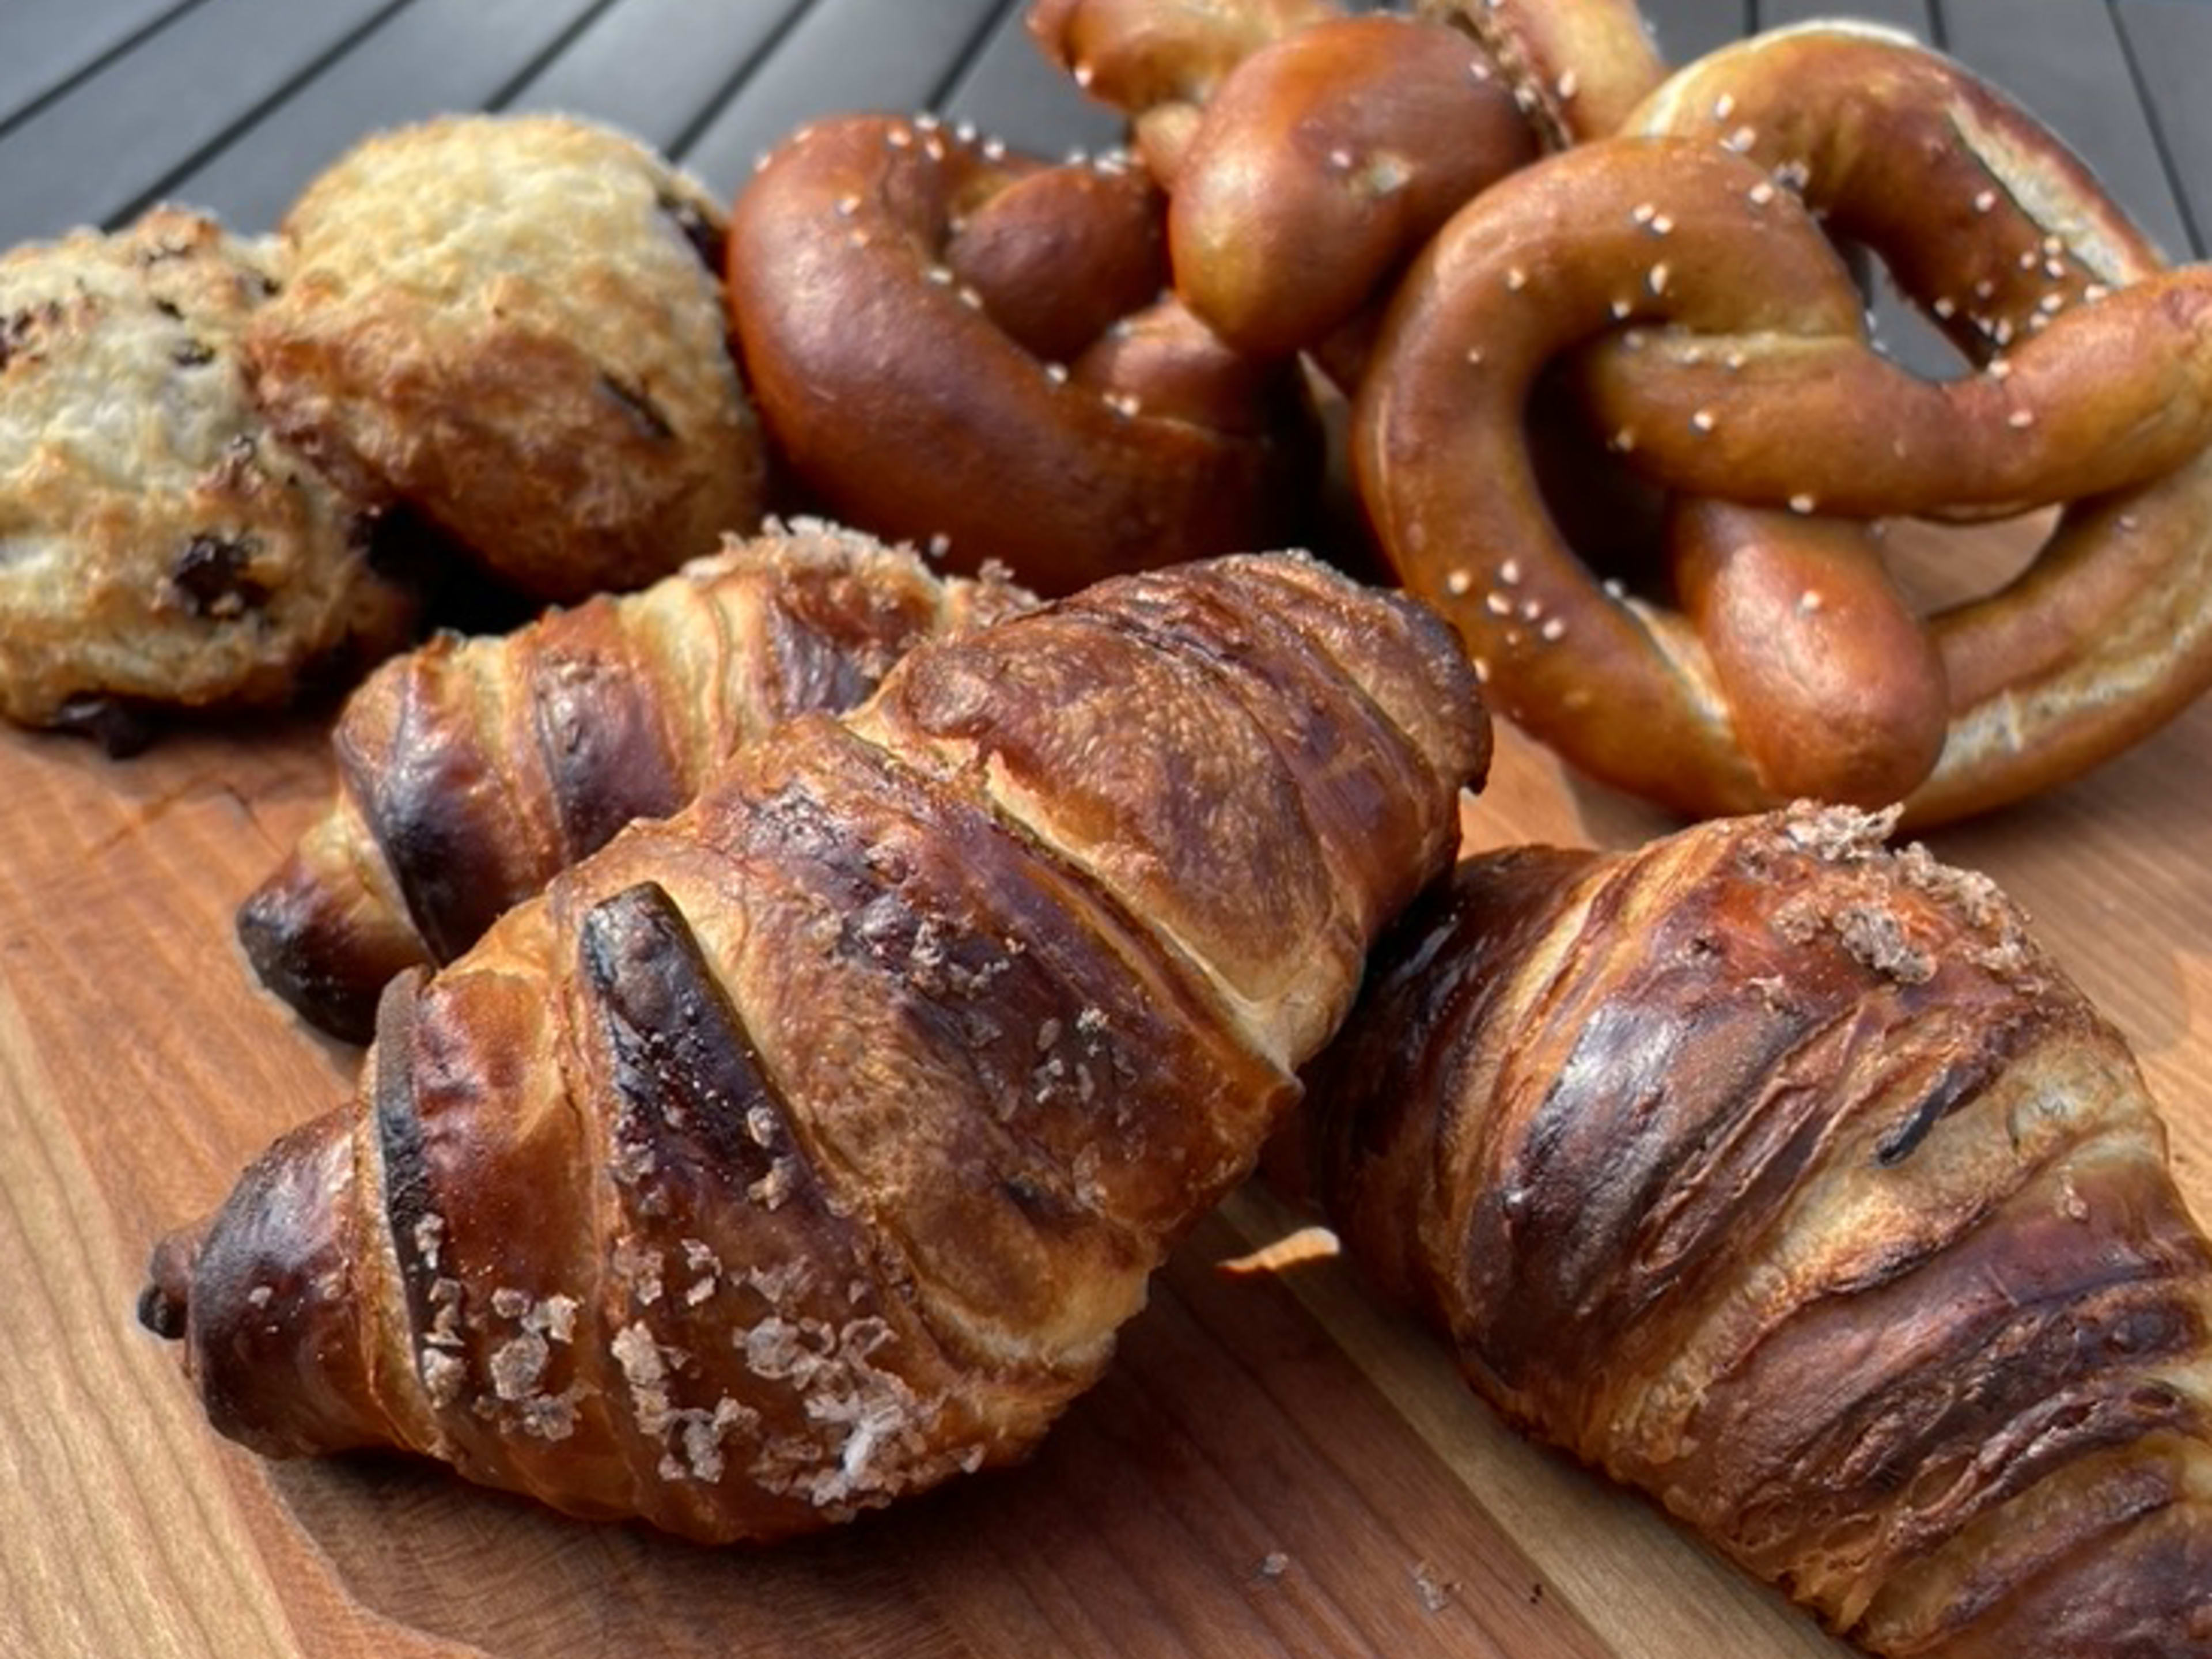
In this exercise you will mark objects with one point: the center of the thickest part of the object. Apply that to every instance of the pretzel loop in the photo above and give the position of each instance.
(1578, 67)
(2097, 362)
(2094, 389)
(1321, 162)
(942, 340)
(1556, 255)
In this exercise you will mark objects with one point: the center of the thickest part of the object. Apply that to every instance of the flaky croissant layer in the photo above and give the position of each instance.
(809, 1147)
(470, 771)
(1785, 1177)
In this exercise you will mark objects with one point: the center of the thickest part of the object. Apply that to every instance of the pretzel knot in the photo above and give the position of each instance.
(964, 348)
(1321, 162)
(1791, 665)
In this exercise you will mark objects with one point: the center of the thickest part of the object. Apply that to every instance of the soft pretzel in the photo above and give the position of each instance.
(1322, 161)
(2096, 372)
(2096, 359)
(883, 278)
(1159, 61)
(1554, 256)
(1578, 67)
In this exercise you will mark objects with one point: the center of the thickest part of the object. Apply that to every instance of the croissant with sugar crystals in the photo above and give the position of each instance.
(1784, 1178)
(809, 1147)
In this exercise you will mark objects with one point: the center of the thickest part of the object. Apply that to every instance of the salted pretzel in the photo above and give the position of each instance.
(1793, 667)
(1578, 67)
(1321, 162)
(2094, 361)
(965, 349)
(1159, 61)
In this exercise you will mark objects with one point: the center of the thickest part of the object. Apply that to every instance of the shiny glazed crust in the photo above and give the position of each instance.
(470, 771)
(1320, 164)
(514, 325)
(966, 349)
(1783, 1177)
(158, 545)
(809, 1147)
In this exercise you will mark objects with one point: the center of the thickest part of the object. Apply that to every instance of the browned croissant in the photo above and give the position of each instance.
(470, 771)
(1783, 1177)
(808, 1147)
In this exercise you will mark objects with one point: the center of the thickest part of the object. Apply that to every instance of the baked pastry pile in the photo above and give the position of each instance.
(808, 1147)
(810, 991)
(1783, 1177)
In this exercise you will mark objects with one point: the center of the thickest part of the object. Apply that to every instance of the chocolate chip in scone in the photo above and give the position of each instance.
(119, 726)
(19, 328)
(706, 237)
(641, 410)
(212, 575)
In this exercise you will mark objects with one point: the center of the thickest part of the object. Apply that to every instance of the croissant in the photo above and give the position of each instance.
(808, 1147)
(1786, 1178)
(469, 771)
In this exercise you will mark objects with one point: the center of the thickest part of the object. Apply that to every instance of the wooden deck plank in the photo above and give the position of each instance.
(435, 58)
(841, 55)
(48, 41)
(2169, 44)
(92, 155)
(1009, 90)
(657, 68)
(2064, 62)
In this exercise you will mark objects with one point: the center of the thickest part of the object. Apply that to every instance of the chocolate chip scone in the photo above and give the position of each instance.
(158, 545)
(515, 324)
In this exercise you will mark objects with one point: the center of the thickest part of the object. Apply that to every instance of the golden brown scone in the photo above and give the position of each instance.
(514, 324)
(471, 771)
(158, 545)
(1783, 1177)
(809, 1147)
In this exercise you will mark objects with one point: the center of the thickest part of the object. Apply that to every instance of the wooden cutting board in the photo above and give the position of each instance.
(1273, 1467)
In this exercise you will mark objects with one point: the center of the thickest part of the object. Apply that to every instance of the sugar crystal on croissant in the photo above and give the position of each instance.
(808, 1147)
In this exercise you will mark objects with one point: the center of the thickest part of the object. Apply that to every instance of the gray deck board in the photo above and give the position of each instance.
(2169, 45)
(1915, 17)
(2062, 60)
(840, 55)
(43, 44)
(436, 57)
(1687, 29)
(660, 69)
(94, 154)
